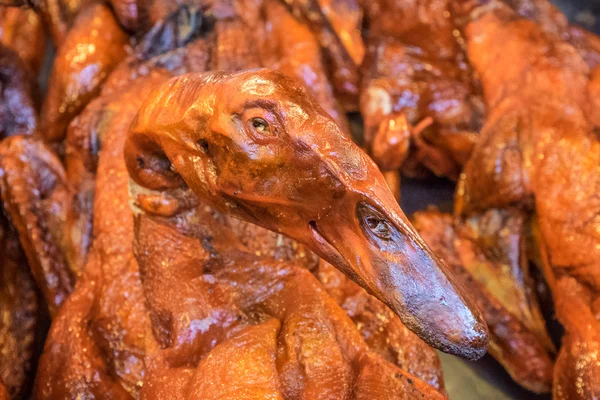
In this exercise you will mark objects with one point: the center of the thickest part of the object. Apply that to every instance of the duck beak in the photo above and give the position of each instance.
(368, 238)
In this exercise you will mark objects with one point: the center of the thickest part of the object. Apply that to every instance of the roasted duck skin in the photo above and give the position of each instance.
(22, 31)
(91, 50)
(19, 316)
(539, 149)
(487, 254)
(101, 327)
(290, 46)
(261, 141)
(35, 195)
(269, 330)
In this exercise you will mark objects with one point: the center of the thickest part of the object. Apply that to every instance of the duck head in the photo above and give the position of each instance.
(257, 146)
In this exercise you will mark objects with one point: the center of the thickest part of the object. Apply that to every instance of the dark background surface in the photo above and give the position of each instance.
(485, 379)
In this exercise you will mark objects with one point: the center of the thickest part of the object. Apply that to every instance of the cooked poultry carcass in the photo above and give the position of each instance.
(18, 316)
(61, 345)
(539, 149)
(18, 297)
(419, 100)
(101, 327)
(487, 254)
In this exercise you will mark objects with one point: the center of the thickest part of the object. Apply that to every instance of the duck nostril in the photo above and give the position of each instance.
(374, 222)
(202, 145)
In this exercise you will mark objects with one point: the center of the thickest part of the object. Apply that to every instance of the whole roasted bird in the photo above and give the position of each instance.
(539, 150)
(238, 291)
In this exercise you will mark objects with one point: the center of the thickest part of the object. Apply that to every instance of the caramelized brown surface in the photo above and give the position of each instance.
(3, 391)
(102, 325)
(539, 148)
(58, 15)
(91, 50)
(259, 328)
(486, 253)
(336, 24)
(18, 316)
(36, 197)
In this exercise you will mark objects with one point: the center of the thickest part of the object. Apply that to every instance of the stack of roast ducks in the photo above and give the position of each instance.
(189, 206)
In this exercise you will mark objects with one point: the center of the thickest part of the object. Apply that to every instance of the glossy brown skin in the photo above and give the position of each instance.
(418, 99)
(381, 329)
(22, 31)
(304, 146)
(102, 326)
(486, 252)
(229, 324)
(19, 316)
(35, 195)
(18, 111)
(539, 149)
(91, 50)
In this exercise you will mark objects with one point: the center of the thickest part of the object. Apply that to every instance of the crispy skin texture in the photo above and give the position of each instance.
(539, 149)
(226, 294)
(419, 101)
(486, 252)
(19, 310)
(91, 50)
(22, 31)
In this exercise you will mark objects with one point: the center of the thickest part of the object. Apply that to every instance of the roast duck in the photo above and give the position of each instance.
(188, 207)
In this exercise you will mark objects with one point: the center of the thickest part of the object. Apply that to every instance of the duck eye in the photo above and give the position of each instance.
(379, 227)
(261, 126)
